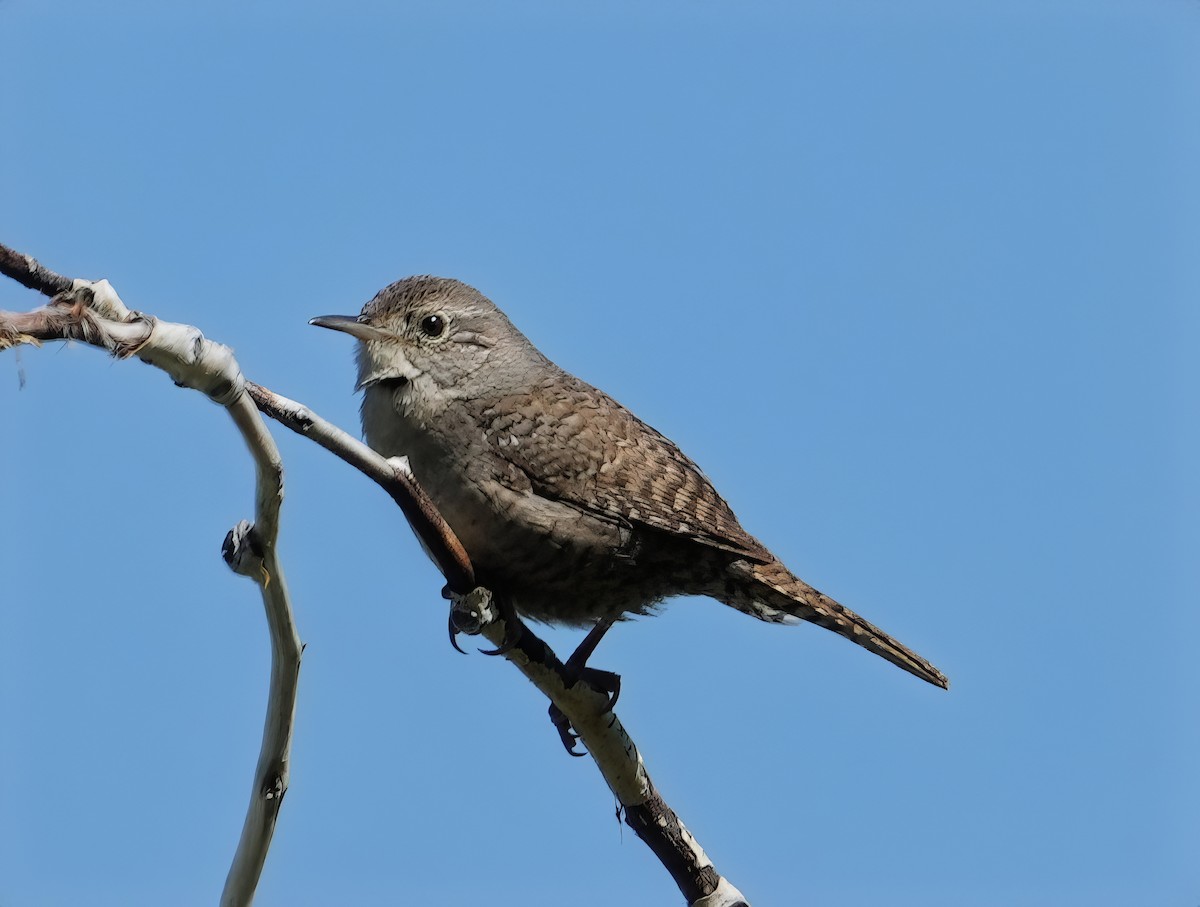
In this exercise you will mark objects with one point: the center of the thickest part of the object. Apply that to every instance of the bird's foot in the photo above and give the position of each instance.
(607, 682)
(576, 670)
(566, 734)
(473, 612)
(468, 613)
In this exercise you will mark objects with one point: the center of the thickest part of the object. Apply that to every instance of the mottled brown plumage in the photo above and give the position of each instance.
(567, 503)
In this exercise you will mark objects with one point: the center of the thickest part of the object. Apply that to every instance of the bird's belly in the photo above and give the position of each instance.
(557, 563)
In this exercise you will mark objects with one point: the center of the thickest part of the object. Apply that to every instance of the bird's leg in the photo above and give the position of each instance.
(576, 670)
(604, 681)
(587, 646)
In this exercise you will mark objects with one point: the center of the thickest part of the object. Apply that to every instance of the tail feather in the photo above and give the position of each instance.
(772, 593)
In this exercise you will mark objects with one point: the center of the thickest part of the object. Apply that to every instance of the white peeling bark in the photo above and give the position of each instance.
(93, 313)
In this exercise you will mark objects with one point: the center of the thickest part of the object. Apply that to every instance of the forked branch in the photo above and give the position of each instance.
(92, 313)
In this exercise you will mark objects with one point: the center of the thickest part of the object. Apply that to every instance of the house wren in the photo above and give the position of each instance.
(569, 505)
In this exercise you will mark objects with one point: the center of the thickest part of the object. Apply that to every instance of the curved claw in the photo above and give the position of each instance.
(565, 734)
(512, 635)
(454, 635)
(505, 646)
(608, 682)
(615, 693)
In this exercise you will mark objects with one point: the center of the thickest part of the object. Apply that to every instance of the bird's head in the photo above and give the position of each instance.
(432, 336)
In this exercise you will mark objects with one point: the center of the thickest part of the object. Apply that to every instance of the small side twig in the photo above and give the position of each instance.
(27, 272)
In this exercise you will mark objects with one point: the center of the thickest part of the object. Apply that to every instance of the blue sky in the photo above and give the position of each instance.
(915, 284)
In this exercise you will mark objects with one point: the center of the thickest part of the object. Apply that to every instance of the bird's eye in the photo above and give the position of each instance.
(433, 325)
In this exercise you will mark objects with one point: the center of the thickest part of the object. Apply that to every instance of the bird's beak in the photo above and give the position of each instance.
(352, 326)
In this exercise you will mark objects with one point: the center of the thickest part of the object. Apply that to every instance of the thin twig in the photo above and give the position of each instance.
(274, 759)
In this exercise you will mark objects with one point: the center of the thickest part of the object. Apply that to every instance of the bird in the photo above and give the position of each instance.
(570, 507)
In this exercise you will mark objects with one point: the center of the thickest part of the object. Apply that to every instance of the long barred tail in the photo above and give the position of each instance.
(770, 592)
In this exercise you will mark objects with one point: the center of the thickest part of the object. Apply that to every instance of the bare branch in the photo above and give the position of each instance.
(93, 313)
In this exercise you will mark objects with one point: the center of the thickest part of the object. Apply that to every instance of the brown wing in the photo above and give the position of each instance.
(579, 446)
